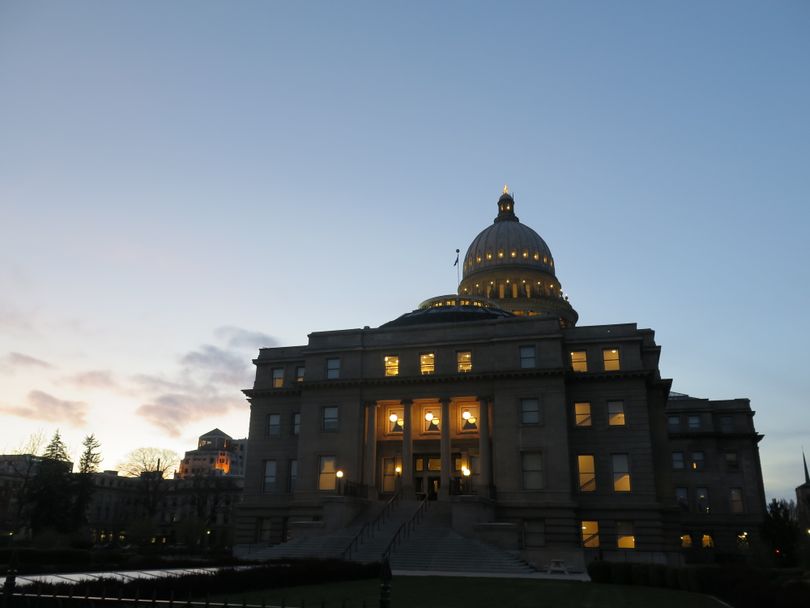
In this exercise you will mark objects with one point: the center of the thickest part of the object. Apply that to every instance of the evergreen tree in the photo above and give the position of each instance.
(781, 531)
(51, 491)
(83, 482)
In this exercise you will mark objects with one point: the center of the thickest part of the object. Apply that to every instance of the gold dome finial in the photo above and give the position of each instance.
(505, 189)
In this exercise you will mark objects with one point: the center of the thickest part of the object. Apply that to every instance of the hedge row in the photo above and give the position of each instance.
(741, 586)
(229, 580)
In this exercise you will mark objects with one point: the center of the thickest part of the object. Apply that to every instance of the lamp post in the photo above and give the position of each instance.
(339, 475)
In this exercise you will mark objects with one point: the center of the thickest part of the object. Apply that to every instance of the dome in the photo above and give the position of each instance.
(511, 265)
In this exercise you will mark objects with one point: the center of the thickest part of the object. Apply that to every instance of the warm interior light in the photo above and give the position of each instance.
(466, 414)
(393, 417)
(339, 474)
(429, 416)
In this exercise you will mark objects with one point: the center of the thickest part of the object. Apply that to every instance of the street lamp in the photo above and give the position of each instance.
(339, 475)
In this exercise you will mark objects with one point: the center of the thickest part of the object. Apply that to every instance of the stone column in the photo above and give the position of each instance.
(408, 490)
(370, 469)
(484, 448)
(447, 464)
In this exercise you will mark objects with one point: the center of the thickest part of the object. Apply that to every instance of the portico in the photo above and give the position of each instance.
(433, 446)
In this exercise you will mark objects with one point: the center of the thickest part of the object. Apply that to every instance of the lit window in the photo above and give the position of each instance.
(677, 461)
(698, 461)
(299, 373)
(391, 365)
(590, 534)
(579, 361)
(427, 363)
(726, 424)
(292, 475)
(469, 419)
(706, 541)
(431, 421)
(332, 369)
(686, 541)
(625, 536)
(389, 474)
(674, 422)
(533, 471)
(269, 483)
(329, 420)
(616, 413)
(621, 473)
(278, 377)
(732, 464)
(587, 473)
(530, 411)
(395, 422)
(528, 357)
(273, 425)
(693, 422)
(327, 468)
(702, 500)
(742, 540)
(296, 423)
(464, 361)
(610, 357)
(682, 498)
(736, 499)
(582, 414)
(434, 464)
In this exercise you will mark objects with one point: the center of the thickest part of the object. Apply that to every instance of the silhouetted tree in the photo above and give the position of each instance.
(153, 466)
(780, 530)
(83, 480)
(51, 495)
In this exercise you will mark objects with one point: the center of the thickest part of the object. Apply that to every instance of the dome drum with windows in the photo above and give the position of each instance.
(510, 266)
(508, 270)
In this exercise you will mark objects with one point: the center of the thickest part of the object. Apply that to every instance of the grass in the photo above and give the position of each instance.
(441, 592)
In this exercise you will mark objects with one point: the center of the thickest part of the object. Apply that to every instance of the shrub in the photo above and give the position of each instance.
(640, 574)
(599, 571)
(621, 573)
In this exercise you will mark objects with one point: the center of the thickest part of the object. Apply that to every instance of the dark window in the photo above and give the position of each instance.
(726, 424)
(528, 357)
(292, 475)
(330, 418)
(674, 422)
(273, 425)
(693, 422)
(530, 411)
(616, 413)
(269, 475)
(677, 460)
(682, 498)
(736, 500)
(296, 423)
(702, 499)
(332, 369)
(299, 373)
(533, 471)
(732, 464)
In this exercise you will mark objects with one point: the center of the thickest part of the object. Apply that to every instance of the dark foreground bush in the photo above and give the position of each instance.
(740, 585)
(225, 581)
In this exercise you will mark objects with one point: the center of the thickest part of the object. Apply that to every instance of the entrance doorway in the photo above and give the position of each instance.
(427, 474)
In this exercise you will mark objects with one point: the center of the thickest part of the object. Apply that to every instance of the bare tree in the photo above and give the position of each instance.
(153, 466)
(158, 461)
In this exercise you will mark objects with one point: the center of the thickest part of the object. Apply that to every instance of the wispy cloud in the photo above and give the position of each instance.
(236, 337)
(44, 406)
(13, 362)
(206, 384)
(93, 379)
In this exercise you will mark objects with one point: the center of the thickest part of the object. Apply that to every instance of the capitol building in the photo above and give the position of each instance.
(490, 417)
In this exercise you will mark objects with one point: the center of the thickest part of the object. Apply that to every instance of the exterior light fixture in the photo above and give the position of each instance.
(429, 416)
(393, 417)
(339, 474)
(465, 471)
(398, 470)
(466, 414)
(471, 419)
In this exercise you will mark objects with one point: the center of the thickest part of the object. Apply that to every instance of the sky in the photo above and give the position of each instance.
(182, 183)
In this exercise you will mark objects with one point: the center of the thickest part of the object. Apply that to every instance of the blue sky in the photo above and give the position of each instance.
(183, 182)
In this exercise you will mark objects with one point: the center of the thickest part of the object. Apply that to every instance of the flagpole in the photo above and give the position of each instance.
(458, 277)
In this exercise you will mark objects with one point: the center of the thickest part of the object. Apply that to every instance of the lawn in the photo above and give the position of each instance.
(441, 592)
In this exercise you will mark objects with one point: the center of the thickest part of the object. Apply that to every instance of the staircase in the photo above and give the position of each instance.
(435, 546)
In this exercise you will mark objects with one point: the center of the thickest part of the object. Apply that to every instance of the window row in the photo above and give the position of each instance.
(273, 425)
(705, 540)
(620, 470)
(695, 422)
(427, 363)
(278, 375)
(328, 475)
(615, 414)
(610, 360)
(701, 502)
(696, 461)
(625, 535)
(431, 422)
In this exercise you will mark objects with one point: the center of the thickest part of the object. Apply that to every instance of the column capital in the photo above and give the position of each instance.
(444, 400)
(485, 398)
(369, 404)
(406, 401)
